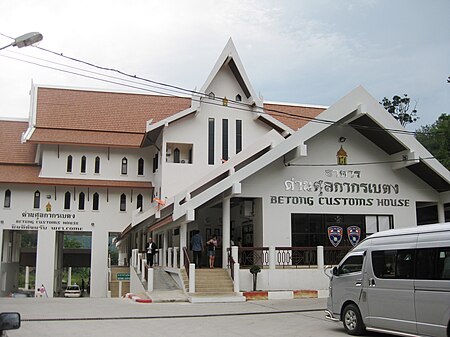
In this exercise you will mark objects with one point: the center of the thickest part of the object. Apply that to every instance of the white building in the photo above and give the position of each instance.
(222, 162)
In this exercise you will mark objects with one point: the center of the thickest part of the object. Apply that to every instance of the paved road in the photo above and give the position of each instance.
(121, 317)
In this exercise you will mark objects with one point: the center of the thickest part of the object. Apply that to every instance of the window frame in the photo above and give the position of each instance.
(7, 199)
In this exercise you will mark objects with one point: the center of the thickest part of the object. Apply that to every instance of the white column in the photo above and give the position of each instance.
(175, 257)
(160, 257)
(183, 242)
(69, 276)
(27, 277)
(45, 261)
(441, 212)
(226, 231)
(150, 280)
(99, 263)
(320, 257)
(235, 253)
(192, 278)
(236, 287)
(120, 289)
(272, 257)
(143, 266)
(169, 257)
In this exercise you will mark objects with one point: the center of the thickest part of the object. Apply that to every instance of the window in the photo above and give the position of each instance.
(155, 162)
(37, 199)
(140, 167)
(211, 95)
(353, 264)
(176, 155)
(81, 198)
(211, 141)
(69, 164)
(238, 136)
(67, 200)
(97, 165)
(123, 202)
(238, 98)
(95, 201)
(393, 263)
(224, 139)
(124, 168)
(7, 201)
(433, 263)
(83, 164)
(139, 202)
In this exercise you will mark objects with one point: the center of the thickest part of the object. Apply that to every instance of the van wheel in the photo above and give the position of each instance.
(352, 320)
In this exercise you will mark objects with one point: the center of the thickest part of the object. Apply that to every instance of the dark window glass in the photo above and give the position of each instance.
(393, 264)
(224, 139)
(95, 202)
(97, 165)
(67, 200)
(140, 167)
(211, 141)
(155, 162)
(353, 264)
(238, 98)
(139, 201)
(238, 136)
(190, 156)
(37, 199)
(124, 168)
(81, 198)
(83, 164)
(7, 201)
(176, 155)
(433, 264)
(69, 164)
(123, 202)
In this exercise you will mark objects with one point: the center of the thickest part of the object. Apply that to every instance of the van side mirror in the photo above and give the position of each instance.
(9, 321)
(335, 271)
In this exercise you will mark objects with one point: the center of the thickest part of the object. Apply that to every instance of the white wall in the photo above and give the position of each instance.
(270, 182)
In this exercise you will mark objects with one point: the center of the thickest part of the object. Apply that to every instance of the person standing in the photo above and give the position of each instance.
(211, 245)
(151, 251)
(197, 248)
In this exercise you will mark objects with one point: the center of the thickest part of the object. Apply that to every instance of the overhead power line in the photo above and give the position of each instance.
(168, 89)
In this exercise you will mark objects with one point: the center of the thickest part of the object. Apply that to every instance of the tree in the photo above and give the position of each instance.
(436, 138)
(399, 108)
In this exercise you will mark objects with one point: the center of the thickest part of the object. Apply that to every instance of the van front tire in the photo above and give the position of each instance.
(352, 320)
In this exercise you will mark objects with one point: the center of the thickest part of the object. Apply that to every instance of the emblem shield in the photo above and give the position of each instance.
(335, 235)
(354, 234)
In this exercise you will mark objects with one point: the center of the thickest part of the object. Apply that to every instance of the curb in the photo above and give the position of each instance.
(279, 295)
(137, 299)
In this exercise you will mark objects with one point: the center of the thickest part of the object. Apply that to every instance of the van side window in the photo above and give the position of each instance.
(433, 264)
(393, 263)
(352, 265)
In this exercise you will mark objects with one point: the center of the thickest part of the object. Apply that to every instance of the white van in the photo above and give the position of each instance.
(396, 281)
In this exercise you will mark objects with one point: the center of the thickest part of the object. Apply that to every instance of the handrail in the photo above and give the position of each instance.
(187, 261)
(231, 263)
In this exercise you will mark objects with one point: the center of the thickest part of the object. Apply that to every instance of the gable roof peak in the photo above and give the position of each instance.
(230, 57)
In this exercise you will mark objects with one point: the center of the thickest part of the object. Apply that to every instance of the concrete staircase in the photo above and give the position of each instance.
(214, 285)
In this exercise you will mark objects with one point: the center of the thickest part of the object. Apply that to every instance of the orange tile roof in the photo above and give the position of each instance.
(12, 151)
(28, 174)
(108, 116)
(294, 116)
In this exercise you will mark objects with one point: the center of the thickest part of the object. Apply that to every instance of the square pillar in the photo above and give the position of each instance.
(226, 230)
(45, 261)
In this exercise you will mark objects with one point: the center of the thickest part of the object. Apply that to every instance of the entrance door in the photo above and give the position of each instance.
(390, 289)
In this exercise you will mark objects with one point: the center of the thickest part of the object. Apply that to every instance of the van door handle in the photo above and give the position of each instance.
(372, 282)
(358, 283)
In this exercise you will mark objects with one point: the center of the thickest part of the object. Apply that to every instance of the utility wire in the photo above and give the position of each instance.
(362, 163)
(193, 92)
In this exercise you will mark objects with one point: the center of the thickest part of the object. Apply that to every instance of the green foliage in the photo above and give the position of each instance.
(436, 138)
(71, 242)
(399, 108)
(255, 269)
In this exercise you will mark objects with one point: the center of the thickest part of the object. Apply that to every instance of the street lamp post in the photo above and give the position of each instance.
(25, 40)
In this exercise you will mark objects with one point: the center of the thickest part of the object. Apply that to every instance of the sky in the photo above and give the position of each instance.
(294, 51)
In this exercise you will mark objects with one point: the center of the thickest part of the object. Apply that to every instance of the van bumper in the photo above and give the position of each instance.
(329, 315)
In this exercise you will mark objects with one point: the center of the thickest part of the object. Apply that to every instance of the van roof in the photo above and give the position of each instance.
(440, 227)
